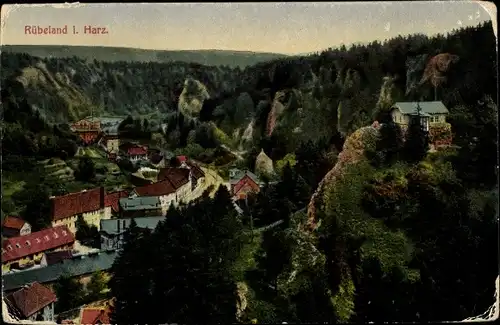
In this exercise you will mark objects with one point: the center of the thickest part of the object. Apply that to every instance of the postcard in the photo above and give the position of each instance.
(246, 163)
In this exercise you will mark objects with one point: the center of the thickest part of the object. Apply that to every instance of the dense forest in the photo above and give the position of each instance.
(374, 228)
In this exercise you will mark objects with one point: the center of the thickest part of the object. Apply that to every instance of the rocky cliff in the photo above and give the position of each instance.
(353, 151)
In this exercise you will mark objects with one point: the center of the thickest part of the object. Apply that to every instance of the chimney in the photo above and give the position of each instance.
(102, 195)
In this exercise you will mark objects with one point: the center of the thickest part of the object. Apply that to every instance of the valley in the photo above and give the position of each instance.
(350, 185)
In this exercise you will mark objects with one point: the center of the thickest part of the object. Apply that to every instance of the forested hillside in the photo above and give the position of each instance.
(111, 54)
(371, 225)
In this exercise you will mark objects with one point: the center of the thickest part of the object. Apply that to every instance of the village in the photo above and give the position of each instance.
(32, 262)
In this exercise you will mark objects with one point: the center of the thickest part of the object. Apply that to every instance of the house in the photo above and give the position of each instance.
(50, 258)
(79, 267)
(90, 204)
(28, 250)
(181, 161)
(431, 113)
(34, 302)
(15, 226)
(110, 142)
(173, 185)
(137, 153)
(140, 206)
(88, 129)
(112, 230)
(93, 316)
(112, 202)
(243, 183)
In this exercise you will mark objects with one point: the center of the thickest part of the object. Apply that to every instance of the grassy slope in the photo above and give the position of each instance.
(206, 57)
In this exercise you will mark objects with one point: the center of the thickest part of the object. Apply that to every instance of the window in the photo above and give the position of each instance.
(28, 243)
(47, 238)
(17, 245)
(64, 233)
(9, 247)
(38, 241)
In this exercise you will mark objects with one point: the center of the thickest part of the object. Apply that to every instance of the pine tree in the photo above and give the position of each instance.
(417, 141)
(69, 292)
(196, 247)
(130, 284)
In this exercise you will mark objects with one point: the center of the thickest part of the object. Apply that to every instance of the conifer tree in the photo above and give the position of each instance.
(417, 141)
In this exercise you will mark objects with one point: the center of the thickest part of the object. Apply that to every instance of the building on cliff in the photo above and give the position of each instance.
(433, 118)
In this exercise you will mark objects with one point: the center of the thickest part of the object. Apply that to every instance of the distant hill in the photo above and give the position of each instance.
(112, 54)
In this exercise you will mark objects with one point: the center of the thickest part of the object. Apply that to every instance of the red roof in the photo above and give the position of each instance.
(176, 176)
(112, 199)
(76, 203)
(91, 316)
(13, 222)
(137, 150)
(245, 180)
(181, 158)
(36, 242)
(161, 188)
(32, 299)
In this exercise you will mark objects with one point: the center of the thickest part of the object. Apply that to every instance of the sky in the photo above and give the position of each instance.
(288, 28)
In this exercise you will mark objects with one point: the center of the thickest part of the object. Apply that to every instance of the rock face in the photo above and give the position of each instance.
(277, 108)
(353, 151)
(241, 303)
(192, 97)
(263, 164)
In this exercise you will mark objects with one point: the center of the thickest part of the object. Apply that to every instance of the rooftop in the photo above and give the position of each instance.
(76, 266)
(410, 108)
(176, 176)
(139, 203)
(68, 205)
(237, 175)
(13, 222)
(92, 316)
(118, 226)
(36, 242)
(30, 299)
(160, 188)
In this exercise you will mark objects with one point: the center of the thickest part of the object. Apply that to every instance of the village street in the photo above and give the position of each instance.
(212, 178)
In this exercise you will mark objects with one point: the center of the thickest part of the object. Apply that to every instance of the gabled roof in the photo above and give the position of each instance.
(92, 316)
(243, 181)
(31, 299)
(161, 188)
(118, 226)
(239, 174)
(410, 108)
(68, 205)
(176, 176)
(140, 203)
(36, 242)
(76, 266)
(12, 222)
(112, 199)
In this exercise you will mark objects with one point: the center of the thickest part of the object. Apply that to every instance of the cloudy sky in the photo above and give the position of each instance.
(265, 27)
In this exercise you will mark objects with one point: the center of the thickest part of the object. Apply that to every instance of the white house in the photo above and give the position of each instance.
(112, 231)
(431, 113)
